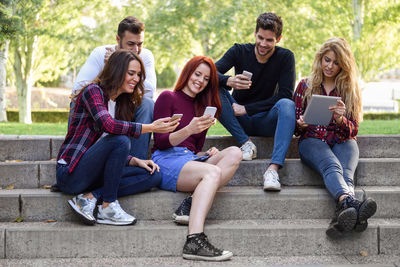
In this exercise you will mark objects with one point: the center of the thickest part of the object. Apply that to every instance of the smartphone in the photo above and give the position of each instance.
(210, 110)
(176, 116)
(247, 74)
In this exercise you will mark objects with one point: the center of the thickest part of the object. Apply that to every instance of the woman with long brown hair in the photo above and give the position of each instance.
(183, 165)
(332, 150)
(94, 160)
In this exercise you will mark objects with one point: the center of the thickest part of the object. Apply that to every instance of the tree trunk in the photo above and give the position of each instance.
(3, 75)
(23, 76)
(358, 19)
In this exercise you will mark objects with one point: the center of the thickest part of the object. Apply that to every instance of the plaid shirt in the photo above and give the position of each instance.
(89, 121)
(331, 134)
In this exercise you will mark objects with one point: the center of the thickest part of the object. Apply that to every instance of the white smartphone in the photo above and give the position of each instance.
(247, 74)
(176, 116)
(210, 110)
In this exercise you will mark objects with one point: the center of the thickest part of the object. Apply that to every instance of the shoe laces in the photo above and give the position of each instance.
(203, 242)
(89, 204)
(273, 174)
(184, 208)
(117, 209)
(247, 146)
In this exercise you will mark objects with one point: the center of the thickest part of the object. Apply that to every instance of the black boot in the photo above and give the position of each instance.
(345, 218)
(366, 209)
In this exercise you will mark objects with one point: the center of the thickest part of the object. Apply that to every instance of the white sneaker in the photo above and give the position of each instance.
(84, 207)
(271, 181)
(113, 214)
(249, 150)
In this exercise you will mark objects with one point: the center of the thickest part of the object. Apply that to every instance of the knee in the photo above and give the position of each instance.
(214, 175)
(155, 179)
(234, 154)
(286, 107)
(121, 142)
(144, 113)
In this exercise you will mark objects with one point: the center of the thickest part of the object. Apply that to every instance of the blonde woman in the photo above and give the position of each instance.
(332, 150)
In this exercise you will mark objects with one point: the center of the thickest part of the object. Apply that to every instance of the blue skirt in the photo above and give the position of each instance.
(171, 162)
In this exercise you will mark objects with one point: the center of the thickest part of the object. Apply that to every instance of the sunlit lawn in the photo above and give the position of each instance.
(367, 127)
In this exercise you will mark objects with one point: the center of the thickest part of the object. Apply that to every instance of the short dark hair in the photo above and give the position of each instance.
(130, 24)
(270, 21)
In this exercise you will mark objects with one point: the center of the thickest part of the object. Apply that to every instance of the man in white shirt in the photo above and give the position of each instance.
(130, 36)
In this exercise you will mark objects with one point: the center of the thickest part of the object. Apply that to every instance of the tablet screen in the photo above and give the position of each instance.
(317, 111)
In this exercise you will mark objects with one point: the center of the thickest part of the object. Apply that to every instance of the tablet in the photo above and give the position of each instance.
(317, 111)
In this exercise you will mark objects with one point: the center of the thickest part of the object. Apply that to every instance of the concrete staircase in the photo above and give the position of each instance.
(243, 219)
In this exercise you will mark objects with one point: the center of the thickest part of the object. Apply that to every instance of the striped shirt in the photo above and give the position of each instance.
(331, 134)
(89, 121)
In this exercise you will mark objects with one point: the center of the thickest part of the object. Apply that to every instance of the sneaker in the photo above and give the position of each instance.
(181, 215)
(113, 214)
(84, 207)
(271, 181)
(366, 209)
(197, 247)
(249, 150)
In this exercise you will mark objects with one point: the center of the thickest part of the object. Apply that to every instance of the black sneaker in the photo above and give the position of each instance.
(366, 210)
(181, 215)
(197, 247)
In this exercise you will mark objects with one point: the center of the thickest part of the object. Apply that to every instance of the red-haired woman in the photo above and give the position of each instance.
(182, 164)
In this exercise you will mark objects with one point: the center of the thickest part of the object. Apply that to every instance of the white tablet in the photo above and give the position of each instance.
(317, 111)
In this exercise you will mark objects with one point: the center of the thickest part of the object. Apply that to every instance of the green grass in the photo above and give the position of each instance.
(367, 127)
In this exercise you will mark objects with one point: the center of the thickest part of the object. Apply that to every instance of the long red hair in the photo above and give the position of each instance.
(209, 96)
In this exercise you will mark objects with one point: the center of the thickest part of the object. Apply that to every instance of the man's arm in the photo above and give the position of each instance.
(286, 84)
(150, 83)
(229, 60)
(89, 71)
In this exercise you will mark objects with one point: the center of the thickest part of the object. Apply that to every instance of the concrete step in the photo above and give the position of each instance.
(370, 171)
(270, 261)
(164, 239)
(34, 148)
(231, 203)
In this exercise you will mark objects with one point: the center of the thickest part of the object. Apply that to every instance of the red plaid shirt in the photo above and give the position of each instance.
(89, 121)
(331, 134)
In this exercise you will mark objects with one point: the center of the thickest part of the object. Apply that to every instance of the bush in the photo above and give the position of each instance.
(41, 115)
(62, 116)
(166, 78)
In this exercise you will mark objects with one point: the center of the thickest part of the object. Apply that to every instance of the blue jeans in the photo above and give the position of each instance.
(102, 170)
(336, 164)
(143, 114)
(278, 122)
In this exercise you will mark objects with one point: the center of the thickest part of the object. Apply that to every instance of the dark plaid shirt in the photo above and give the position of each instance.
(89, 121)
(331, 134)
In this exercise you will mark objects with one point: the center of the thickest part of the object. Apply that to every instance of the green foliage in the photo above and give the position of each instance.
(41, 116)
(167, 78)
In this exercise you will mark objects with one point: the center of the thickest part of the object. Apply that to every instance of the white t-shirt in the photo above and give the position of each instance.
(95, 64)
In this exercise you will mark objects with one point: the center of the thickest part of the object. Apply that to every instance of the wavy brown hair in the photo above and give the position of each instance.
(209, 96)
(346, 80)
(112, 78)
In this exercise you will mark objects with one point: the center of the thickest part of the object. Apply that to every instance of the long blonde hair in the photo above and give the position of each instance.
(346, 80)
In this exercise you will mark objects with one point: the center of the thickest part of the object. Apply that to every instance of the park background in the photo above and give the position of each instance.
(43, 44)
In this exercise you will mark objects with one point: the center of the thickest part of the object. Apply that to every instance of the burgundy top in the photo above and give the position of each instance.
(331, 134)
(169, 103)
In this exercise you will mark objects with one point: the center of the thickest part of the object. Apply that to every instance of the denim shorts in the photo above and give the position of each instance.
(171, 162)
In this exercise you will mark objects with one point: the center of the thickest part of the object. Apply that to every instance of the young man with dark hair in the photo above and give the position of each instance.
(130, 36)
(261, 104)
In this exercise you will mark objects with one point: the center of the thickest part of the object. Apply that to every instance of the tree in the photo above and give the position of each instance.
(7, 30)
